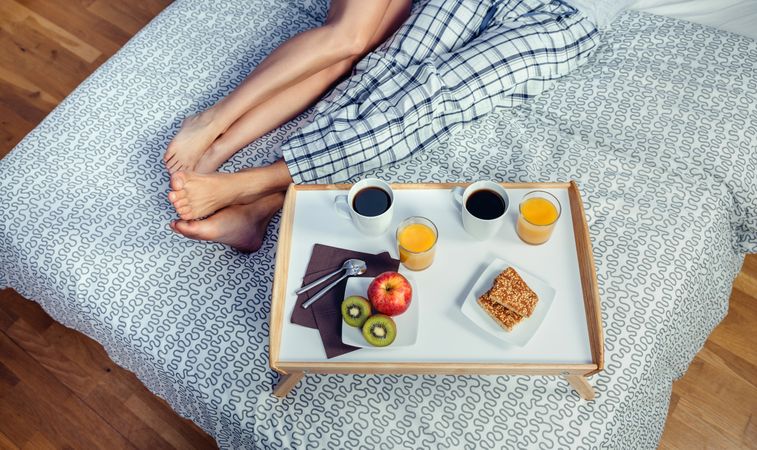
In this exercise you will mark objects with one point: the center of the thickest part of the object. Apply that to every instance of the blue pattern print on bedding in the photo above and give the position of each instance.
(659, 129)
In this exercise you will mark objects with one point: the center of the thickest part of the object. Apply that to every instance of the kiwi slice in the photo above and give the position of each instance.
(355, 310)
(379, 330)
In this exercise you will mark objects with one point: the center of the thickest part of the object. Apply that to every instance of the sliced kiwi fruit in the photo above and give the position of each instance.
(355, 310)
(379, 330)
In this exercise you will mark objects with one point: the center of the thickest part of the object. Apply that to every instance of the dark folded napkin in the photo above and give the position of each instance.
(325, 314)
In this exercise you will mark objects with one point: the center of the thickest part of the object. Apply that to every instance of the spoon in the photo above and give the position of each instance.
(352, 270)
(346, 266)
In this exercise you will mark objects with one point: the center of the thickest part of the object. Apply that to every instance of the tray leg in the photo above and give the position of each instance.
(286, 383)
(581, 385)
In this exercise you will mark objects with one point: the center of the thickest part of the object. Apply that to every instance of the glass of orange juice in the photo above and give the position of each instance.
(537, 216)
(416, 241)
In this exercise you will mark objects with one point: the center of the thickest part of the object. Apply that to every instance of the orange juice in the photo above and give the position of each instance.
(416, 240)
(537, 218)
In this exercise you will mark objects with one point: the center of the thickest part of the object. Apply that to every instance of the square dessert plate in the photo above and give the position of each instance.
(525, 330)
(407, 322)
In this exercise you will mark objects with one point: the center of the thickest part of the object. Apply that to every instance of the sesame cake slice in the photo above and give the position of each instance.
(510, 291)
(504, 317)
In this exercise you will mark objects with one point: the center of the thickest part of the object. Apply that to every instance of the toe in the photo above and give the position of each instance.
(203, 230)
(177, 180)
(186, 227)
(176, 196)
(174, 165)
(179, 202)
(184, 210)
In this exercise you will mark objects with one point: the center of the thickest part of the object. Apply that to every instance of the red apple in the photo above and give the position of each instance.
(390, 293)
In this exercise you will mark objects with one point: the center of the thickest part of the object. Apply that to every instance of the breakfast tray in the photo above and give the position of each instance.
(568, 343)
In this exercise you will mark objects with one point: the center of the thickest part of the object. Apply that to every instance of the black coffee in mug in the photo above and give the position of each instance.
(485, 204)
(371, 202)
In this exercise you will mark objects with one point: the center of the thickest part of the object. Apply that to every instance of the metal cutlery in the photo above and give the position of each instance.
(351, 267)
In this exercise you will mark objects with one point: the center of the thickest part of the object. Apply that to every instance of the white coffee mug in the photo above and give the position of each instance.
(476, 227)
(370, 225)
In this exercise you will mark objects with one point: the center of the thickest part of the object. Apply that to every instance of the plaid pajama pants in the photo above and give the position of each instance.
(450, 63)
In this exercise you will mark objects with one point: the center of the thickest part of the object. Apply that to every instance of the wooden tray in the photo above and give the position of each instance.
(572, 347)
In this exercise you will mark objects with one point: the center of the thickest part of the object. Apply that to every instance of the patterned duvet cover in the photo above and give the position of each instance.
(659, 130)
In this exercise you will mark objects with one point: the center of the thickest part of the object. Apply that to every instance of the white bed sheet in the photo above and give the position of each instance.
(736, 16)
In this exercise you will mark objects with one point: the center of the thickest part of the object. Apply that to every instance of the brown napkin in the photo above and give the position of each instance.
(325, 314)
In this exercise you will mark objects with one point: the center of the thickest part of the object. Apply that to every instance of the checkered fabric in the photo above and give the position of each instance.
(450, 63)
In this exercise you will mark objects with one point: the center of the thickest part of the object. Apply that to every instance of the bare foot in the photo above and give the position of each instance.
(196, 195)
(196, 135)
(214, 157)
(241, 226)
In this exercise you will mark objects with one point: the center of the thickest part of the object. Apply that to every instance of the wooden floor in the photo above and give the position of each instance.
(59, 389)
(715, 404)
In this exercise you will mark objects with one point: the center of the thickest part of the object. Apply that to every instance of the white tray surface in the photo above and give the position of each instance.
(445, 335)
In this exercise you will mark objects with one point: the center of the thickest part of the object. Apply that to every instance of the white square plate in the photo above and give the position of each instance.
(407, 322)
(524, 331)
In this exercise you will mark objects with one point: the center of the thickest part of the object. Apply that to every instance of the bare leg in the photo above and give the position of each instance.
(269, 115)
(285, 105)
(348, 29)
(197, 195)
(240, 226)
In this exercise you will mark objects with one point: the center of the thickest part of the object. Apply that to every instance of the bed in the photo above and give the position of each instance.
(660, 132)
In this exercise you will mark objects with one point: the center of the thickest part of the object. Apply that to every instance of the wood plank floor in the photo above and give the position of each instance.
(714, 405)
(58, 388)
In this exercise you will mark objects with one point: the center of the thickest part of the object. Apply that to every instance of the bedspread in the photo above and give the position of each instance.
(659, 130)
